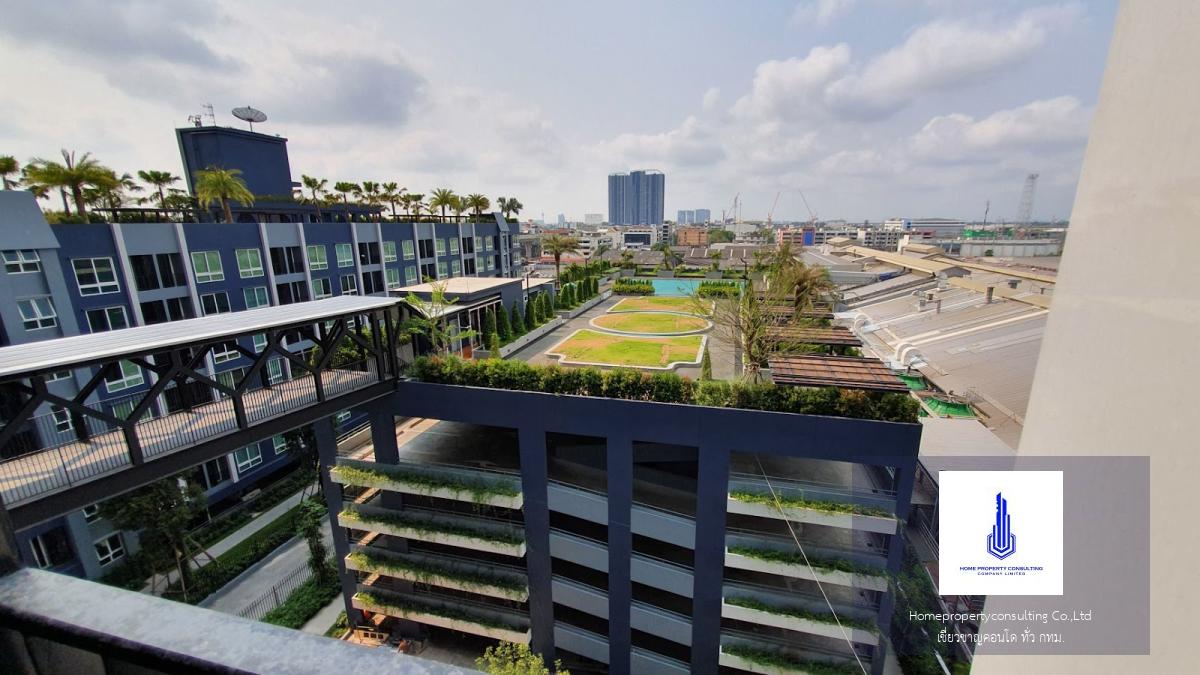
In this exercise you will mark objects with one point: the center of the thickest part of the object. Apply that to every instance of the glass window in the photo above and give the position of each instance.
(368, 253)
(62, 418)
(454, 246)
(52, 548)
(95, 276)
(275, 370)
(37, 313)
(287, 260)
(249, 263)
(279, 444)
(58, 375)
(345, 254)
(122, 410)
(373, 283)
(443, 270)
(289, 292)
(349, 284)
(317, 257)
(207, 266)
(247, 458)
(110, 548)
(22, 261)
(407, 246)
(230, 378)
(215, 472)
(389, 251)
(393, 278)
(214, 303)
(440, 244)
(226, 351)
(456, 268)
(491, 263)
(91, 513)
(488, 243)
(410, 275)
(108, 318)
(256, 296)
(128, 375)
(322, 289)
(260, 342)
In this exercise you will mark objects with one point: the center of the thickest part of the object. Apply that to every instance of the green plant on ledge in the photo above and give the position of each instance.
(479, 490)
(397, 607)
(430, 573)
(813, 504)
(795, 558)
(396, 519)
(774, 659)
(795, 612)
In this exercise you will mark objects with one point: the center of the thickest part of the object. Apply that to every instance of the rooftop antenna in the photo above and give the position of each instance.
(208, 111)
(250, 115)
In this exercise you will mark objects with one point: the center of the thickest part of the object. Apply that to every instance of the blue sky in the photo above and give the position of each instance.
(872, 108)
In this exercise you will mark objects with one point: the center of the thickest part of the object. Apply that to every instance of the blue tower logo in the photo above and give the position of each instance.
(1001, 543)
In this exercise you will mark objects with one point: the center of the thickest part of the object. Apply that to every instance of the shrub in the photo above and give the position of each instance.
(706, 366)
(309, 598)
(494, 346)
(518, 323)
(717, 289)
(632, 287)
(489, 325)
(531, 316)
(503, 327)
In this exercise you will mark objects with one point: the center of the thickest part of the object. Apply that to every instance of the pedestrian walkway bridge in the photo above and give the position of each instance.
(303, 361)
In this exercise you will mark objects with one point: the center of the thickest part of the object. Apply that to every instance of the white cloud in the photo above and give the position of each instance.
(794, 87)
(711, 98)
(1040, 125)
(820, 12)
(693, 143)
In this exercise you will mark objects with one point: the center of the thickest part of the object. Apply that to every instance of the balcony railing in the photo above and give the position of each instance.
(459, 484)
(445, 612)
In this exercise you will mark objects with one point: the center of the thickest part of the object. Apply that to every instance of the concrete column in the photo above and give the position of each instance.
(532, 443)
(620, 548)
(326, 440)
(708, 563)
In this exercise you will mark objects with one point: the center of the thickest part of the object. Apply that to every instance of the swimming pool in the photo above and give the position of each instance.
(675, 287)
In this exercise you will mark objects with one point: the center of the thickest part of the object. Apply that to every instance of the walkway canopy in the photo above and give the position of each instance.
(844, 372)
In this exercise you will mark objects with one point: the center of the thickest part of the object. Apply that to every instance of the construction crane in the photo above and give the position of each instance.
(812, 217)
(771, 213)
(1025, 210)
(732, 212)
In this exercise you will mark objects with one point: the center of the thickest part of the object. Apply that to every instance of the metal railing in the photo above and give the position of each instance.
(884, 500)
(278, 594)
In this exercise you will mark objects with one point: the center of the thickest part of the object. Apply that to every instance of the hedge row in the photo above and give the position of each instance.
(718, 289)
(632, 287)
(309, 598)
(662, 387)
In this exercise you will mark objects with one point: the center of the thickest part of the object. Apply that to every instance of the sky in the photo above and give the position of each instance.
(864, 109)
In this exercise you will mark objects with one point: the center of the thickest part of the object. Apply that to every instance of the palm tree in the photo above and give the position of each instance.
(160, 181)
(369, 193)
(215, 184)
(70, 176)
(557, 245)
(316, 192)
(458, 205)
(715, 257)
(807, 284)
(346, 189)
(442, 198)
(600, 250)
(509, 206)
(670, 257)
(392, 193)
(415, 202)
(478, 203)
(8, 167)
(112, 191)
(626, 259)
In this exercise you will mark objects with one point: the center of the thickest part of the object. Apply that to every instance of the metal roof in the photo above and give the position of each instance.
(63, 352)
(931, 267)
(845, 372)
(460, 285)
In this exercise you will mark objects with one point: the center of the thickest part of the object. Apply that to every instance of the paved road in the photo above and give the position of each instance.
(258, 580)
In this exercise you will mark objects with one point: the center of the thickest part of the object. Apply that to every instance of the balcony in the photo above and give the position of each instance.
(459, 574)
(832, 506)
(467, 485)
(452, 614)
(790, 617)
(788, 562)
(771, 656)
(788, 607)
(475, 534)
(595, 647)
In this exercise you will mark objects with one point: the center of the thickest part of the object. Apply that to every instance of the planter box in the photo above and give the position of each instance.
(867, 581)
(572, 313)
(876, 524)
(398, 484)
(442, 581)
(829, 630)
(461, 541)
(532, 335)
(744, 664)
(463, 625)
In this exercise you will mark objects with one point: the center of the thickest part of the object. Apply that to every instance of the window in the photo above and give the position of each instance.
(256, 296)
(393, 278)
(368, 253)
(410, 276)
(225, 352)
(441, 246)
(127, 375)
(171, 309)
(488, 243)
(91, 513)
(249, 263)
(58, 375)
(52, 548)
(163, 270)
(468, 244)
(247, 458)
(428, 271)
(62, 419)
(478, 244)
(455, 268)
(318, 257)
(341, 418)
(37, 313)
(214, 303)
(295, 291)
(345, 254)
(22, 261)
(407, 246)
(454, 246)
(491, 263)
(469, 265)
(207, 266)
(95, 276)
(373, 283)
(230, 378)
(108, 318)
(215, 471)
(322, 289)
(349, 284)
(425, 247)
(259, 340)
(287, 260)
(443, 270)
(110, 548)
(275, 370)
(279, 444)
(389, 251)
(122, 410)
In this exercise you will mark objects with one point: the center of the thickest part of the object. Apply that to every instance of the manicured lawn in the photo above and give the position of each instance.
(652, 303)
(589, 346)
(650, 322)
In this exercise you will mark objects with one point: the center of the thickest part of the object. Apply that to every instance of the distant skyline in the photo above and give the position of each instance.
(872, 108)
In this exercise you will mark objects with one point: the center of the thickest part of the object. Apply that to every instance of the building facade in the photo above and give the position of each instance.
(702, 216)
(636, 198)
(685, 217)
(691, 236)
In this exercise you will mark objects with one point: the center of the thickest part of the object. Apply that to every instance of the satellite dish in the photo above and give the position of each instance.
(250, 115)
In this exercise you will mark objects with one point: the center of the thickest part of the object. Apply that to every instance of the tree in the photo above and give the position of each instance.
(715, 257)
(478, 203)
(599, 251)
(346, 189)
(8, 167)
(489, 325)
(518, 323)
(442, 198)
(458, 204)
(805, 284)
(743, 320)
(392, 193)
(112, 191)
(413, 203)
(316, 192)
(510, 658)
(706, 366)
(163, 511)
(494, 346)
(429, 320)
(503, 326)
(72, 176)
(720, 237)
(558, 245)
(309, 518)
(531, 317)
(369, 193)
(670, 257)
(627, 259)
(509, 206)
(215, 185)
(161, 181)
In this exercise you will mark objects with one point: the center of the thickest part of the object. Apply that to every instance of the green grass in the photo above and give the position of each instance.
(650, 322)
(652, 303)
(479, 490)
(431, 573)
(303, 604)
(589, 346)
(398, 519)
(815, 505)
(339, 627)
(795, 558)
